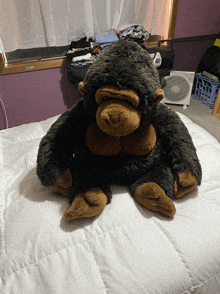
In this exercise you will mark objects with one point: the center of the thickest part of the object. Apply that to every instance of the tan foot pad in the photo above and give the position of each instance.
(86, 205)
(153, 197)
(62, 183)
(185, 183)
(60, 190)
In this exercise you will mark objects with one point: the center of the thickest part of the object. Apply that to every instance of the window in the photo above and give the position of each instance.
(39, 32)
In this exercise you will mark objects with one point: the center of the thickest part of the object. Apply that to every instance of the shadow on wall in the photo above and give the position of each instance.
(70, 93)
(188, 54)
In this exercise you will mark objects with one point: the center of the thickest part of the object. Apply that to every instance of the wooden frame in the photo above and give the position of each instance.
(216, 109)
(1, 63)
(172, 24)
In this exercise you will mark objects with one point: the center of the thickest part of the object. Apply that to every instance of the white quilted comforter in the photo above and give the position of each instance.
(127, 249)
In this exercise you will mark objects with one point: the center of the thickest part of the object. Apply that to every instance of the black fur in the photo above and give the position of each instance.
(124, 64)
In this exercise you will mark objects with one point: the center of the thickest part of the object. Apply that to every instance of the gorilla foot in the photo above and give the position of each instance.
(62, 183)
(153, 197)
(184, 183)
(86, 205)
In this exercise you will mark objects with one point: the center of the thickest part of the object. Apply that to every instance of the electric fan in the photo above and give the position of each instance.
(178, 88)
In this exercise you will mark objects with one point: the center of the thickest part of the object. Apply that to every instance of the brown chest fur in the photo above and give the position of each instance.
(137, 144)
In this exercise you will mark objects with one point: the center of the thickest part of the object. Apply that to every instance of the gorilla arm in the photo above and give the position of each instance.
(58, 145)
(180, 150)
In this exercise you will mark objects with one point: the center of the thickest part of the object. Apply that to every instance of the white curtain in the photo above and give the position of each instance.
(38, 23)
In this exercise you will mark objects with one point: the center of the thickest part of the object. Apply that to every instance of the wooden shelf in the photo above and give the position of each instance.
(19, 67)
(189, 39)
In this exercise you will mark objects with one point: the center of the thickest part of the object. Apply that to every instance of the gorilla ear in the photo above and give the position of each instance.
(159, 95)
(81, 88)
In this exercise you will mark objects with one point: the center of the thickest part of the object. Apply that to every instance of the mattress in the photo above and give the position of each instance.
(127, 249)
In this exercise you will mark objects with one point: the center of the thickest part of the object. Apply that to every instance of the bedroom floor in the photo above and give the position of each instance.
(200, 114)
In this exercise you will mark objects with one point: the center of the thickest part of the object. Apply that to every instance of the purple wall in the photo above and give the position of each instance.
(189, 54)
(35, 96)
(194, 18)
(197, 18)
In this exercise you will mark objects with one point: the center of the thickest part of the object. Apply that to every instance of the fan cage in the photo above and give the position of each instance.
(177, 89)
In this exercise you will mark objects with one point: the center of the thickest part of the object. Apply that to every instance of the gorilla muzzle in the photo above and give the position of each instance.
(117, 118)
(117, 114)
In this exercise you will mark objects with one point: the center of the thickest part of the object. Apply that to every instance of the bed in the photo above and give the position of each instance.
(127, 249)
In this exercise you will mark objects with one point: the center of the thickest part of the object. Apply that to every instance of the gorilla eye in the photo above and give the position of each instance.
(129, 102)
(104, 99)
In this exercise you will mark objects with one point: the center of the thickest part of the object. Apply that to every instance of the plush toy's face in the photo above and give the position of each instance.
(117, 113)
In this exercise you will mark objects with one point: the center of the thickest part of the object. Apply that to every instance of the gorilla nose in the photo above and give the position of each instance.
(113, 118)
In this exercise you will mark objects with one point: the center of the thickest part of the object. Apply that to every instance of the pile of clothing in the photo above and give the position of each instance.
(82, 53)
(135, 33)
(80, 58)
(105, 39)
(79, 52)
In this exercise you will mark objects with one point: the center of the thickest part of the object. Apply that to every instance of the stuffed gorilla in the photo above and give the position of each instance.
(119, 133)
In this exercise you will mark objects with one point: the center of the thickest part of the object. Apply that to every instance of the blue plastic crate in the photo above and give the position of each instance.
(206, 90)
